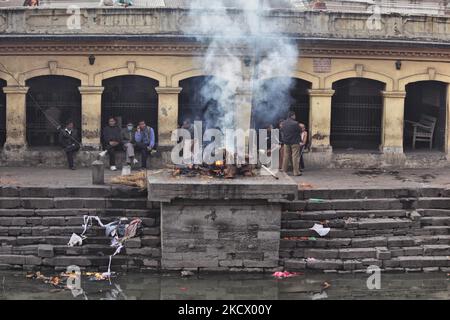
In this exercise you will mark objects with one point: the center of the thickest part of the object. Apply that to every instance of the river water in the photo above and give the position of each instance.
(308, 286)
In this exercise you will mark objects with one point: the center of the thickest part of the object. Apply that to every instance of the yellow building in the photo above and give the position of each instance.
(358, 84)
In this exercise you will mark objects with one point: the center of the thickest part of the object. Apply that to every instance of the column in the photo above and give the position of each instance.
(393, 120)
(447, 131)
(16, 120)
(243, 111)
(91, 111)
(167, 113)
(320, 119)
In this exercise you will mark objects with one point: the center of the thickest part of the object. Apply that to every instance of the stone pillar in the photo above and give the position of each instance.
(91, 110)
(243, 109)
(320, 119)
(15, 117)
(393, 122)
(447, 131)
(167, 113)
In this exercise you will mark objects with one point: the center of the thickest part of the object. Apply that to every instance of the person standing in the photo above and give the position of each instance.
(290, 131)
(128, 143)
(68, 139)
(145, 141)
(303, 144)
(112, 140)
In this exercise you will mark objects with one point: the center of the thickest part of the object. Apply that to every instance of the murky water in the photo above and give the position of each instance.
(14, 285)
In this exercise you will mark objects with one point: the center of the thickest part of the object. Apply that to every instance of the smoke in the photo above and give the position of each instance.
(245, 51)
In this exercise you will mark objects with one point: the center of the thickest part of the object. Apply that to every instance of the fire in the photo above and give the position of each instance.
(218, 163)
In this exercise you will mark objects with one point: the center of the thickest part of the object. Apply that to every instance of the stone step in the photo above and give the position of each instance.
(381, 253)
(372, 193)
(53, 221)
(146, 240)
(404, 263)
(434, 212)
(337, 214)
(45, 231)
(367, 204)
(418, 262)
(347, 204)
(433, 230)
(365, 242)
(76, 192)
(435, 221)
(353, 223)
(71, 203)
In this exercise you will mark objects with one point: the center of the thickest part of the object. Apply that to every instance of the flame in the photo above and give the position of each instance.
(219, 163)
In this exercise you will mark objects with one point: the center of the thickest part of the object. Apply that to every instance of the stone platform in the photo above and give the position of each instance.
(219, 224)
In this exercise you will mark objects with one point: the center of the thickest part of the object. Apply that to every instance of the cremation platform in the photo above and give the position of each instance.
(220, 224)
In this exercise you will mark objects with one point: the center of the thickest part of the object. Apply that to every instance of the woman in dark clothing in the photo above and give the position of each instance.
(68, 139)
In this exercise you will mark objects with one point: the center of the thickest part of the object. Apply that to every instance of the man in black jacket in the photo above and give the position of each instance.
(112, 140)
(68, 139)
(290, 131)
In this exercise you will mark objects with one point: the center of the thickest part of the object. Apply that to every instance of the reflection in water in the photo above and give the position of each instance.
(134, 286)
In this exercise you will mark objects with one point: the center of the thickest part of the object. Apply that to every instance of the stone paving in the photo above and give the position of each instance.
(311, 179)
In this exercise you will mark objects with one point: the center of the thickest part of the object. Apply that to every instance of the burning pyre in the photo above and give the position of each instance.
(219, 169)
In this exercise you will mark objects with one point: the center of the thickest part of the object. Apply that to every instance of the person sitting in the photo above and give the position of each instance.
(112, 142)
(68, 139)
(145, 141)
(128, 143)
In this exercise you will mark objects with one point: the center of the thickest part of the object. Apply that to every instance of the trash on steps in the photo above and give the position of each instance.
(186, 273)
(119, 231)
(320, 229)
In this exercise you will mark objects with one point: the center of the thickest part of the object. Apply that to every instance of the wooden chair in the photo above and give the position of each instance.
(423, 130)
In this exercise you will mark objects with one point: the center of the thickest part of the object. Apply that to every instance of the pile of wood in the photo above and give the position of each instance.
(138, 179)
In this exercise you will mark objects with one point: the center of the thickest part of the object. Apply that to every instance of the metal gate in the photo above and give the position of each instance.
(60, 99)
(130, 98)
(356, 118)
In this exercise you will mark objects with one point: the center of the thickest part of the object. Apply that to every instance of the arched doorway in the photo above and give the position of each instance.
(2, 113)
(275, 97)
(356, 114)
(204, 98)
(51, 101)
(130, 98)
(425, 103)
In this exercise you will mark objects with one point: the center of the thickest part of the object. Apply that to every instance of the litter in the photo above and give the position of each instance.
(314, 200)
(311, 260)
(312, 238)
(306, 185)
(119, 230)
(285, 274)
(320, 296)
(185, 273)
(320, 229)
(325, 285)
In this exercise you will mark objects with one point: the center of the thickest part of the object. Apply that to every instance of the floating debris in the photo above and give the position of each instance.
(286, 274)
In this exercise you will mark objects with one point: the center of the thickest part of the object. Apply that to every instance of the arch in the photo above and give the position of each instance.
(429, 76)
(191, 73)
(426, 103)
(116, 72)
(356, 113)
(313, 79)
(83, 77)
(8, 78)
(388, 81)
(59, 97)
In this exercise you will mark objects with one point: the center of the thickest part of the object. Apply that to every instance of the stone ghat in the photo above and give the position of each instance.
(36, 224)
(396, 229)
